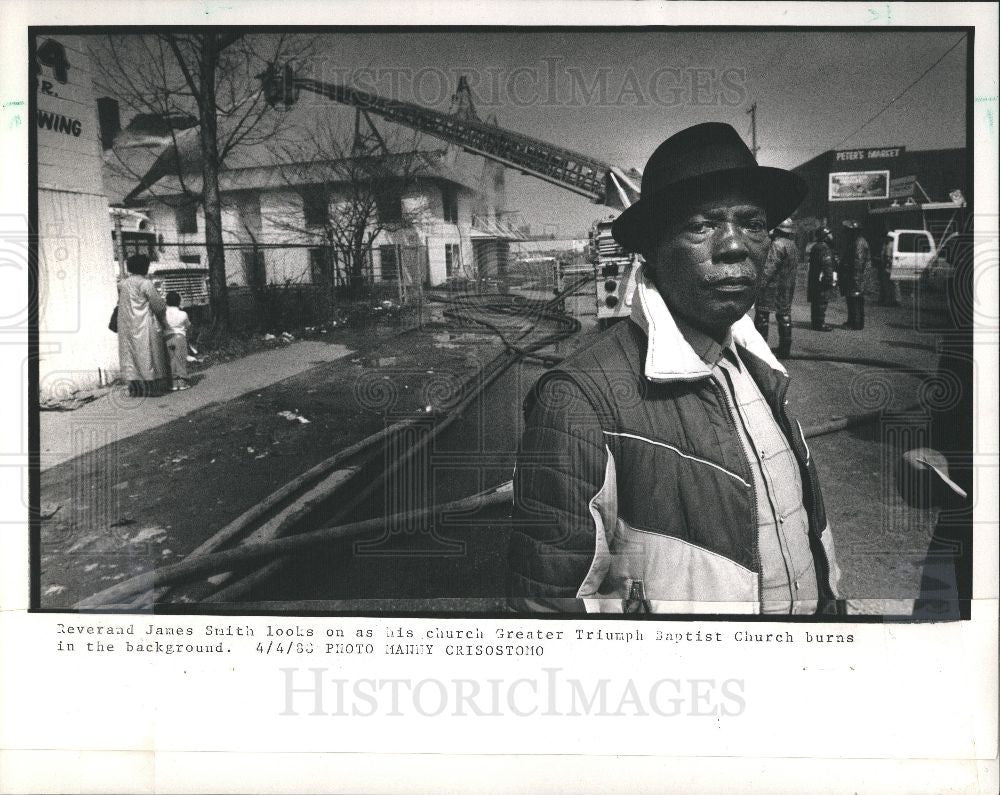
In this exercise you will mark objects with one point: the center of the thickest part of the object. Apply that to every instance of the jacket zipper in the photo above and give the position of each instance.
(753, 493)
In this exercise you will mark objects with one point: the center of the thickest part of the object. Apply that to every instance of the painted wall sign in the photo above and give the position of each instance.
(69, 152)
(858, 185)
(59, 123)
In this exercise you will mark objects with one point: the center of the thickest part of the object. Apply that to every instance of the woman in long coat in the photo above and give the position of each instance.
(142, 353)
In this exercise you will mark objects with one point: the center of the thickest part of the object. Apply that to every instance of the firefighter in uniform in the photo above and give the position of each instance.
(822, 285)
(779, 287)
(853, 265)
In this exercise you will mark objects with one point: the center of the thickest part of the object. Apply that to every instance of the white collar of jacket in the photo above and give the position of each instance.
(669, 357)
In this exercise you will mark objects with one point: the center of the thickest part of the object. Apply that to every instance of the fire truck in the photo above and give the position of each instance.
(132, 232)
(602, 183)
(616, 272)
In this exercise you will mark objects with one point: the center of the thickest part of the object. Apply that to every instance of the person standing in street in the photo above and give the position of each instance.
(142, 354)
(854, 265)
(822, 284)
(779, 287)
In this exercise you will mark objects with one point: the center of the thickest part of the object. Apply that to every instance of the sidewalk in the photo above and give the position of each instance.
(115, 416)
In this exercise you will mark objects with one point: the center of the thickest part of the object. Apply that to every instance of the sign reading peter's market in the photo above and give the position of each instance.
(880, 153)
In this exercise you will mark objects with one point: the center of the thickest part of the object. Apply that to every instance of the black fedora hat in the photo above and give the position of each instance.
(704, 155)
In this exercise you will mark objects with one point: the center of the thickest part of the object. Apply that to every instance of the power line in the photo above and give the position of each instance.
(753, 128)
(900, 94)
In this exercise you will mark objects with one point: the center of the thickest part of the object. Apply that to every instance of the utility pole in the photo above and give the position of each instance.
(753, 129)
(119, 243)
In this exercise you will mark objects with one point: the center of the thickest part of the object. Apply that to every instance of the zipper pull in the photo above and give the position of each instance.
(636, 601)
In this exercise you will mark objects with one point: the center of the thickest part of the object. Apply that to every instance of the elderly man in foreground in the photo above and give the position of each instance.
(659, 468)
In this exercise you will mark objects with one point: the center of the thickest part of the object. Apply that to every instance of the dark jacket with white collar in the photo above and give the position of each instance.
(632, 488)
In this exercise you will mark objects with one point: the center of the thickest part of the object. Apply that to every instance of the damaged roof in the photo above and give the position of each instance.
(134, 172)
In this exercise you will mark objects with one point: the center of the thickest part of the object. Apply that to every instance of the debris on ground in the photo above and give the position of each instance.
(287, 337)
(293, 416)
(72, 400)
(269, 338)
(52, 590)
(155, 534)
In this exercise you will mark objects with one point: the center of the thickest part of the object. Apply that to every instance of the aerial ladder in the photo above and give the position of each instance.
(586, 176)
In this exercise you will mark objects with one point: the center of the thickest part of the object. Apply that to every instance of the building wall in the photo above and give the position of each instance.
(290, 264)
(69, 150)
(77, 271)
(436, 232)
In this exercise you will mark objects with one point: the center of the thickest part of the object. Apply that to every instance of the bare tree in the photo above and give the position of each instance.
(211, 77)
(353, 189)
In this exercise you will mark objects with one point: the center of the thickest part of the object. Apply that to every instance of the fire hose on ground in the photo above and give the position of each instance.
(465, 306)
(209, 560)
(231, 559)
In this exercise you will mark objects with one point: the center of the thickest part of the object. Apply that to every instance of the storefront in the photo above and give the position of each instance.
(850, 184)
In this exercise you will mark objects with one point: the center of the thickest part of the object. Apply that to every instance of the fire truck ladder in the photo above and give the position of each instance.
(599, 182)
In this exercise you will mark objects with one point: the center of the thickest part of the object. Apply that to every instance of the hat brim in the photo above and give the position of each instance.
(638, 227)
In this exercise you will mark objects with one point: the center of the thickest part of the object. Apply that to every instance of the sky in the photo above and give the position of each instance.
(615, 95)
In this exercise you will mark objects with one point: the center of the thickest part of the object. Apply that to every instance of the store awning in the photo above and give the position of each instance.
(914, 206)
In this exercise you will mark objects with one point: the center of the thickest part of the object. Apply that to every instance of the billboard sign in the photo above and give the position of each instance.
(858, 186)
(902, 187)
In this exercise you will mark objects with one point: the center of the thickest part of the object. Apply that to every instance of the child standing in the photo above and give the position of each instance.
(175, 336)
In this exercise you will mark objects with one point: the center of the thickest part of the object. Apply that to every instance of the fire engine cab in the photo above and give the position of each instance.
(615, 271)
(132, 232)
